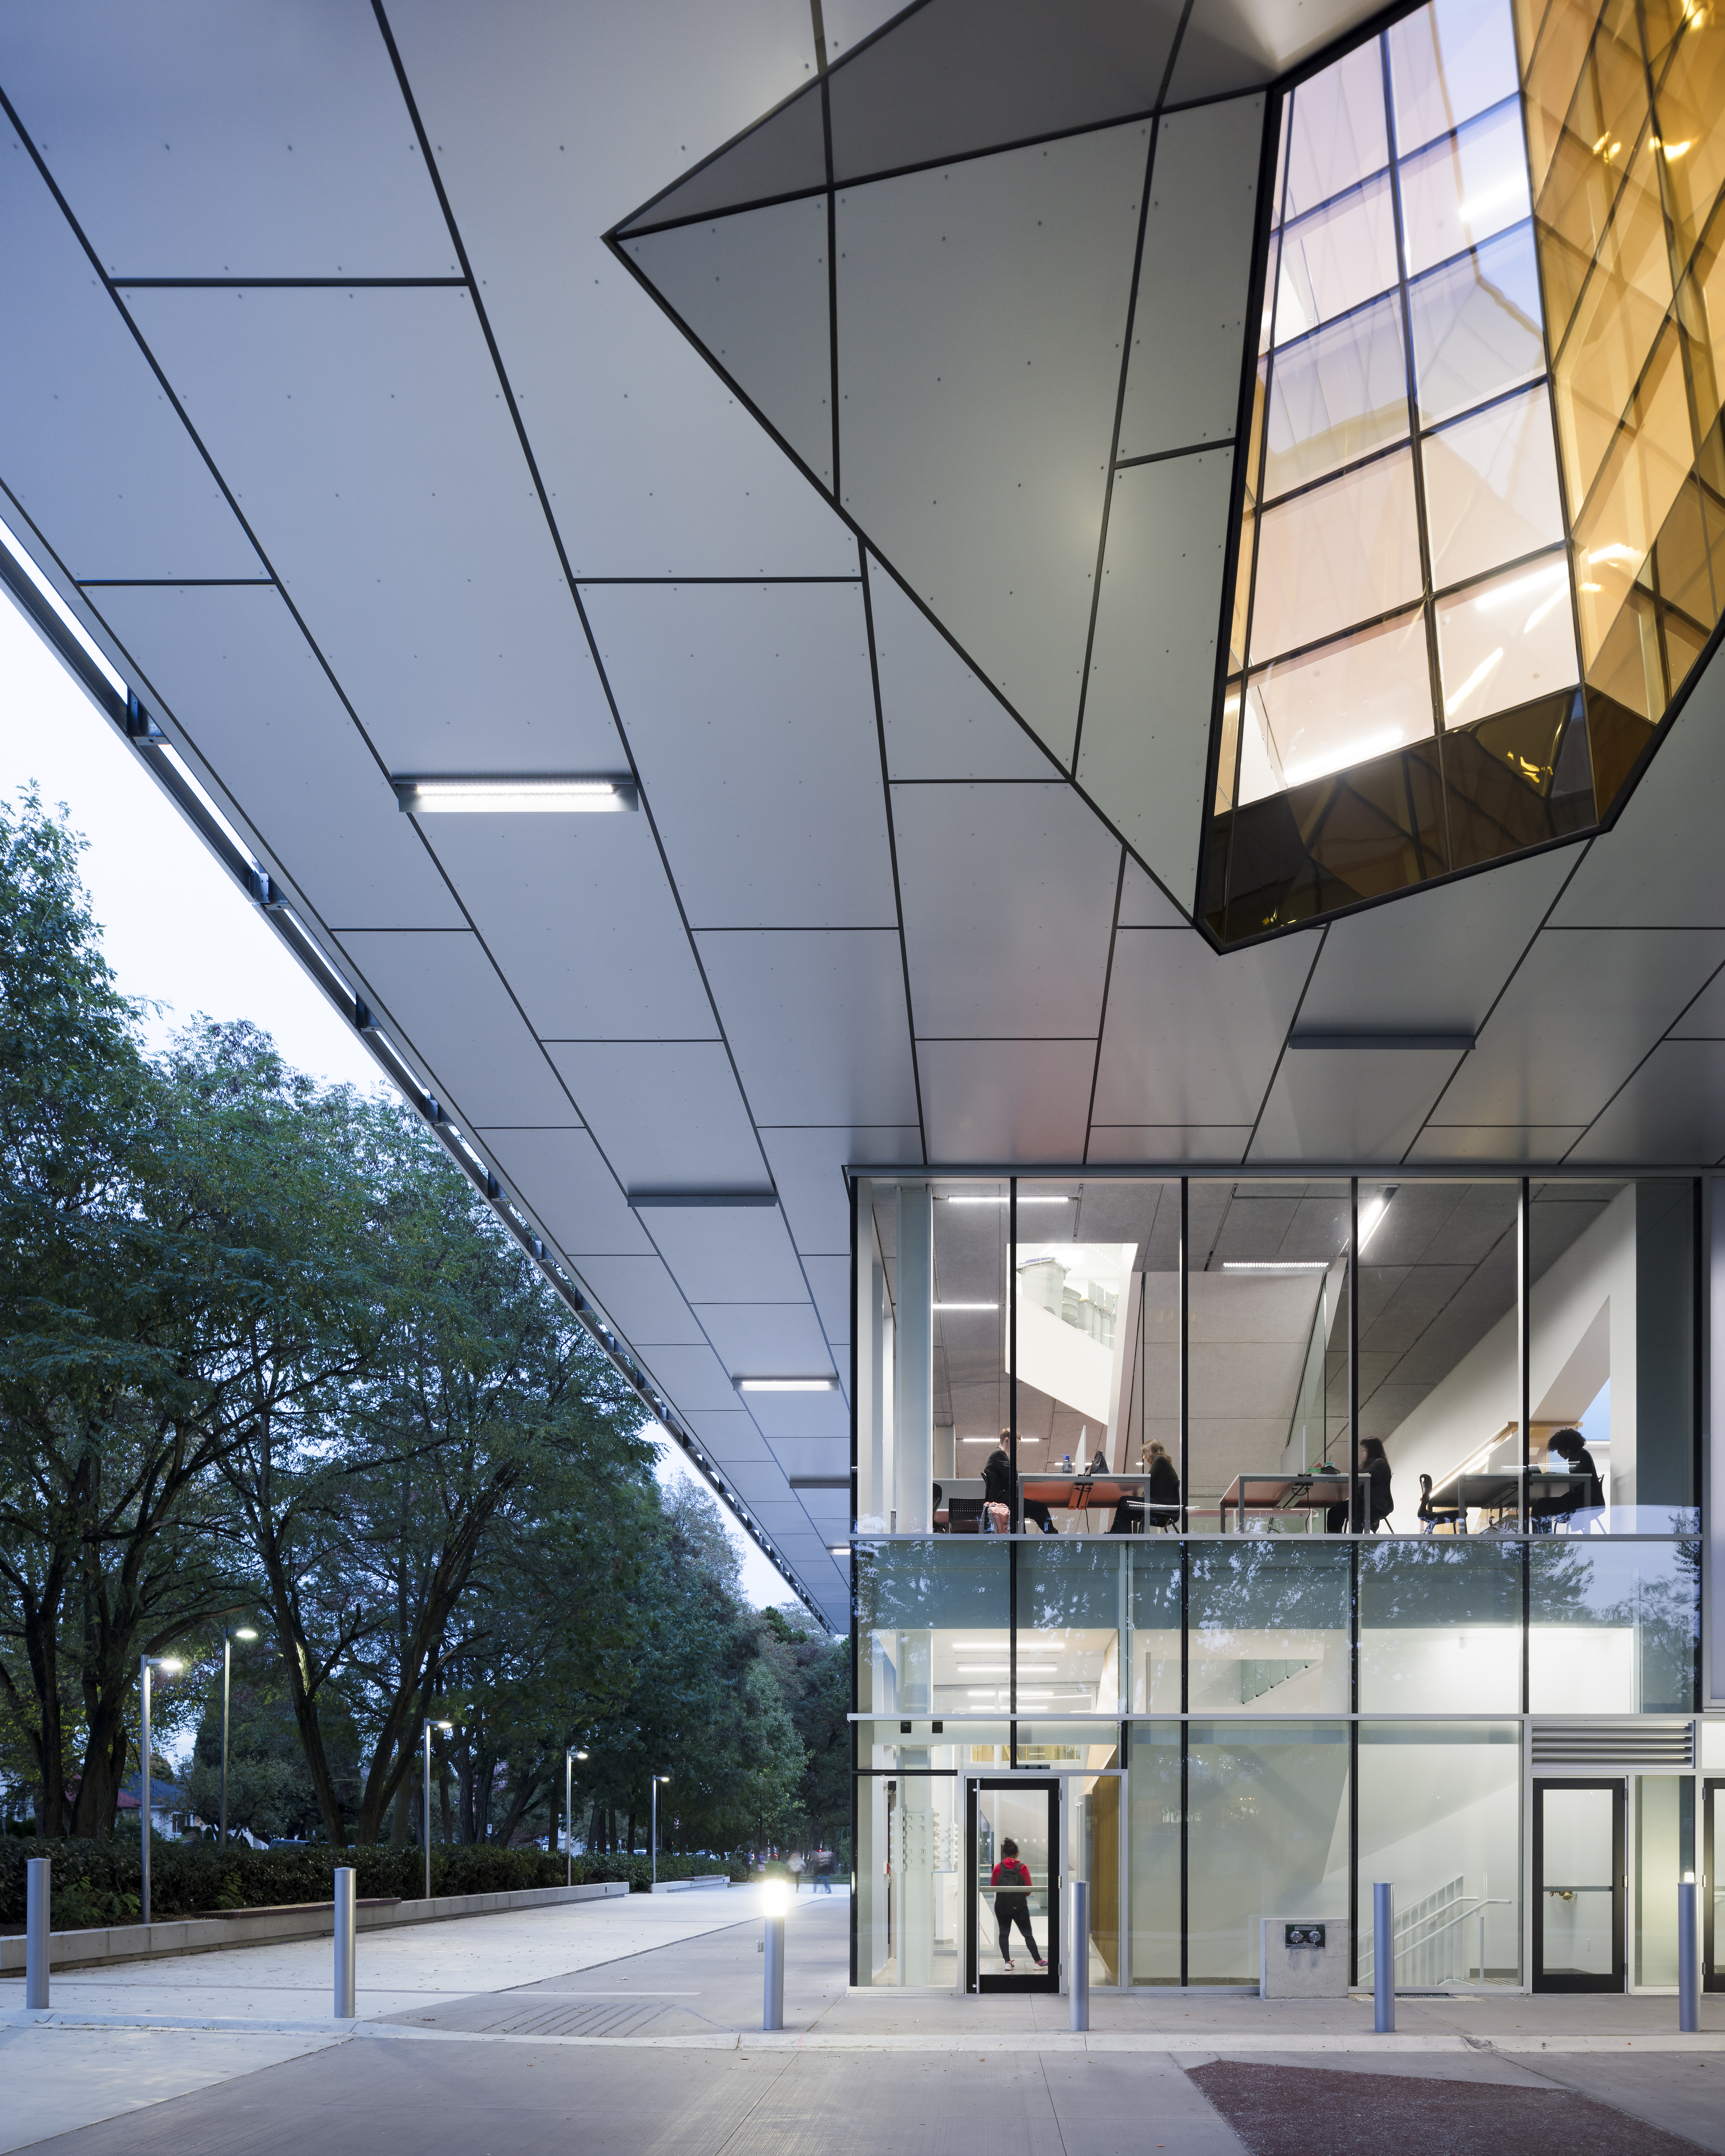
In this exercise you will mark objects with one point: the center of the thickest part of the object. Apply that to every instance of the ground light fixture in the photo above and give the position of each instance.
(524, 793)
(240, 1632)
(170, 1666)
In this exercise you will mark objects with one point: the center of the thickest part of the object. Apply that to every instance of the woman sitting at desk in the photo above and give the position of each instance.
(1570, 1447)
(1378, 1500)
(1159, 1507)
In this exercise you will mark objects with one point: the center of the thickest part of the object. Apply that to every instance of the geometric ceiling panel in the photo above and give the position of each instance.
(758, 287)
(1183, 379)
(941, 720)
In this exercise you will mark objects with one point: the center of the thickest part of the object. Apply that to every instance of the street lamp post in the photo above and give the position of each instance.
(657, 1779)
(244, 1632)
(446, 1726)
(570, 1756)
(168, 1666)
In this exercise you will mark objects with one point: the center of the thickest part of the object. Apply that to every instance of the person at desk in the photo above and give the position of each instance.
(1159, 1507)
(1379, 1501)
(1570, 1446)
(1000, 1486)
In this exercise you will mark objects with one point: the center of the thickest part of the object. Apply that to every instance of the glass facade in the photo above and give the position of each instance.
(1262, 1661)
(1482, 517)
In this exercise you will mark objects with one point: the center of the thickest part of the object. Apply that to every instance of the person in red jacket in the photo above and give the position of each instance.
(1011, 1881)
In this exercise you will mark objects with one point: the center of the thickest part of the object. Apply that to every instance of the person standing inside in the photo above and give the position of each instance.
(1011, 1881)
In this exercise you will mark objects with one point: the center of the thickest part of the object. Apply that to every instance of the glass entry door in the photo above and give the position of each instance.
(1014, 1866)
(1712, 1977)
(1578, 1895)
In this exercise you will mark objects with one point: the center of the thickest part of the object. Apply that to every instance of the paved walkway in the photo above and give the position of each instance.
(635, 2026)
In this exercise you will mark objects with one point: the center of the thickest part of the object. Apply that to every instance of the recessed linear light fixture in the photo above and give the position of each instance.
(525, 794)
(1450, 1039)
(964, 1306)
(1005, 1198)
(1275, 1265)
(786, 1384)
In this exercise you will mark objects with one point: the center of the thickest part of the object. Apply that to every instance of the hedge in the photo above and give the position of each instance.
(97, 1882)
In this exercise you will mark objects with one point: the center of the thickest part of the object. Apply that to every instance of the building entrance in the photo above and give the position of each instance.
(1015, 1930)
(1579, 1886)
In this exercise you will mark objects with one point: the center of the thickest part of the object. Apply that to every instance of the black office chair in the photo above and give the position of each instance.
(1436, 1513)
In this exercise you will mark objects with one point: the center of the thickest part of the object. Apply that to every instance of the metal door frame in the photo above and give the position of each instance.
(1617, 1981)
(1711, 1979)
(1052, 1978)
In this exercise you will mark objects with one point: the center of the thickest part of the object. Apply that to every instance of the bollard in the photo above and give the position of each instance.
(1383, 1958)
(344, 1944)
(1078, 1979)
(38, 1902)
(773, 1998)
(1688, 1956)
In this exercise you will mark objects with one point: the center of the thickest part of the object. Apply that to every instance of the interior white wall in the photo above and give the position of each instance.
(1481, 1396)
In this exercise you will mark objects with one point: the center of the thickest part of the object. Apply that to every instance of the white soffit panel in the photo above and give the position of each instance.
(808, 1168)
(812, 1456)
(1123, 1142)
(559, 120)
(1585, 1007)
(576, 912)
(572, 1193)
(767, 1339)
(1237, 44)
(666, 1113)
(1189, 346)
(89, 444)
(1017, 1100)
(1472, 1141)
(1705, 1018)
(641, 1298)
(981, 313)
(751, 712)
(232, 672)
(1658, 866)
(816, 1020)
(694, 1379)
(1008, 903)
(454, 1017)
(728, 1254)
(1672, 1109)
(783, 1415)
(847, 22)
(1144, 904)
(1433, 960)
(753, 289)
(941, 721)
(208, 140)
(1147, 713)
(364, 433)
(1336, 1104)
(829, 1283)
(1192, 1037)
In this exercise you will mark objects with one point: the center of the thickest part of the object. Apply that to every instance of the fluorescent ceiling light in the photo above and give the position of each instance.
(1275, 1265)
(966, 1305)
(786, 1384)
(838, 1549)
(531, 794)
(980, 1440)
(1005, 1198)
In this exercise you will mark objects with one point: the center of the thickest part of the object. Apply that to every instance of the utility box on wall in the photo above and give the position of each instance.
(1301, 1958)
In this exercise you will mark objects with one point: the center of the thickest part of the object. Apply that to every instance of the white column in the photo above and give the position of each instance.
(916, 1947)
(913, 1411)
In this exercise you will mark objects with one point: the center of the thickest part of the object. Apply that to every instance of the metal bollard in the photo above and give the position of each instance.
(773, 1989)
(1688, 1957)
(1383, 1958)
(39, 1904)
(345, 1912)
(1078, 1976)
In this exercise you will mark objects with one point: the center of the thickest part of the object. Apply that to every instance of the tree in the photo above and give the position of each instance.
(270, 1790)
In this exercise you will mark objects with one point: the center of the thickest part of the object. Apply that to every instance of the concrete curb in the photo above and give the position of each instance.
(707, 1880)
(119, 1942)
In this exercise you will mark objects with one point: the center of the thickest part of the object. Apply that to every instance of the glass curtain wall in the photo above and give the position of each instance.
(1146, 1541)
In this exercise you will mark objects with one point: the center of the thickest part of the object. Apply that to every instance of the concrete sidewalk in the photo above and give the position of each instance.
(518, 2033)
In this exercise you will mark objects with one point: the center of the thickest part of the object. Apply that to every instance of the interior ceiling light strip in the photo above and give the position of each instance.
(83, 660)
(529, 794)
(1277, 1265)
(1035, 1199)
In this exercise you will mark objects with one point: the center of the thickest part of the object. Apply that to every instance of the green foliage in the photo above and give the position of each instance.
(98, 1882)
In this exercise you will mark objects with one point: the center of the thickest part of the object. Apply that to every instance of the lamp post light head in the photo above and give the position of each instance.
(244, 1632)
(578, 1755)
(169, 1665)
